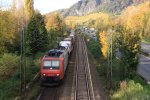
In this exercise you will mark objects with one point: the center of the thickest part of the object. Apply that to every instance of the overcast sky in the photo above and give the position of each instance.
(45, 6)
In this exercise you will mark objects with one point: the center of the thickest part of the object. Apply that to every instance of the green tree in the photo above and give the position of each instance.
(36, 36)
(32, 37)
(129, 46)
(43, 35)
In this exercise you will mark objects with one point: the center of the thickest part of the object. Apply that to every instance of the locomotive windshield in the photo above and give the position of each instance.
(51, 64)
(47, 63)
(55, 63)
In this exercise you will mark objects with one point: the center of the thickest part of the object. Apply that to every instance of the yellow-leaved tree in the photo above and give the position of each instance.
(132, 18)
(104, 43)
(54, 21)
(29, 9)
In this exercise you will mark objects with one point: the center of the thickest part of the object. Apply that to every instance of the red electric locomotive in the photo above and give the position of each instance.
(53, 65)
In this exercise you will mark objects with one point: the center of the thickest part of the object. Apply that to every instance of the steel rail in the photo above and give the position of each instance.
(85, 70)
(87, 74)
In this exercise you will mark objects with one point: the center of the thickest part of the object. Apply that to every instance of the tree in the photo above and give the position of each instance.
(43, 35)
(104, 43)
(8, 32)
(146, 26)
(36, 35)
(55, 22)
(32, 37)
(29, 9)
(14, 8)
(129, 46)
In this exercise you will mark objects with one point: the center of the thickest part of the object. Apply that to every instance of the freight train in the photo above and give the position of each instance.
(55, 62)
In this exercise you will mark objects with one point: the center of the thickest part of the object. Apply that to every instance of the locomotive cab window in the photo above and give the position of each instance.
(54, 64)
(47, 64)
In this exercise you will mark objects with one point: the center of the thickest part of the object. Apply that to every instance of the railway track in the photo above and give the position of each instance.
(83, 83)
(48, 93)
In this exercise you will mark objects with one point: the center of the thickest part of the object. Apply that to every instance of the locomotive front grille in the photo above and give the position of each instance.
(50, 78)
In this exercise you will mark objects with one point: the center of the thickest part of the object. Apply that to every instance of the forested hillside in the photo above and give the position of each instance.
(84, 7)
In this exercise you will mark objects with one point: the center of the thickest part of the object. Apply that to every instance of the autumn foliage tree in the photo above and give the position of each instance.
(55, 26)
(104, 43)
(54, 21)
(8, 31)
(29, 9)
(136, 18)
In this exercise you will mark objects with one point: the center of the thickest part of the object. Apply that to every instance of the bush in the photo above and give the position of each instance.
(147, 38)
(116, 71)
(32, 68)
(9, 76)
(9, 63)
(130, 91)
(94, 48)
(9, 89)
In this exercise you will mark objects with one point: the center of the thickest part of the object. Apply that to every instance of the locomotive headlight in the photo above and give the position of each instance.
(57, 74)
(44, 74)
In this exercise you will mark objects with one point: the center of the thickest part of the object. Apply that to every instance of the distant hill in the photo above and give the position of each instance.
(84, 7)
